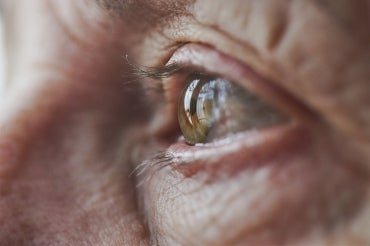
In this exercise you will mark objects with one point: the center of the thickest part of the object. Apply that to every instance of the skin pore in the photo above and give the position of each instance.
(80, 129)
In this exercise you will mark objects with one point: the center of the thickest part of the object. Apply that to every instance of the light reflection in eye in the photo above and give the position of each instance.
(211, 108)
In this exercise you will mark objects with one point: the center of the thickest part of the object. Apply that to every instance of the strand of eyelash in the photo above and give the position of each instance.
(160, 72)
(151, 166)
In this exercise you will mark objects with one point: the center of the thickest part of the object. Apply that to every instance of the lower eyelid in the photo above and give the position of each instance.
(244, 150)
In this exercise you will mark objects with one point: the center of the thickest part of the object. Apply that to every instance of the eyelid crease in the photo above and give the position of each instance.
(210, 60)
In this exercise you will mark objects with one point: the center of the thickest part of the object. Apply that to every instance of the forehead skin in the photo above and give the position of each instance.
(145, 14)
(351, 13)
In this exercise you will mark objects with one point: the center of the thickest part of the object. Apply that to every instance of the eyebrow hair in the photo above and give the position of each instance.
(146, 14)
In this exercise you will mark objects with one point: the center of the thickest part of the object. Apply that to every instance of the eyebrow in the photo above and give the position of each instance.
(146, 14)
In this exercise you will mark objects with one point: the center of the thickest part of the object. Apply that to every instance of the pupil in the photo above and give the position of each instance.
(193, 106)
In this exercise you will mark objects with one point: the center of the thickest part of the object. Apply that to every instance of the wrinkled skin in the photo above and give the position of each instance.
(72, 127)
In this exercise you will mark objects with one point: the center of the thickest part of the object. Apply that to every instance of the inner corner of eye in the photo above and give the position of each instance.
(211, 108)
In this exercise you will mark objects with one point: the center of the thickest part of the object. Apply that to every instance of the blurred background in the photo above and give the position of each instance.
(2, 59)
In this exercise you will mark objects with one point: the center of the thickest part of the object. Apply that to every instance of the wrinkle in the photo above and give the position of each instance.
(353, 16)
(146, 15)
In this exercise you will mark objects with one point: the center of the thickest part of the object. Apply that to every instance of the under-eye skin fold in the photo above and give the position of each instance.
(211, 107)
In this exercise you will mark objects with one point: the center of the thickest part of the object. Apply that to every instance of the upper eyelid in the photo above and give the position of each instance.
(240, 73)
(156, 72)
(204, 58)
(165, 71)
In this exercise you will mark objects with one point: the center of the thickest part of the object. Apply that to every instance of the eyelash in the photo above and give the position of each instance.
(179, 71)
(163, 158)
(150, 167)
(156, 73)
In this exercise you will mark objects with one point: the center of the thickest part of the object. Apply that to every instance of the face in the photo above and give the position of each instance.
(197, 122)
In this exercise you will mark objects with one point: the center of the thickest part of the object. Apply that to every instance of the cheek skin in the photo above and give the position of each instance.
(306, 193)
(63, 141)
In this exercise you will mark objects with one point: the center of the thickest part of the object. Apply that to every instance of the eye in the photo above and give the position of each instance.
(256, 157)
(211, 107)
(205, 98)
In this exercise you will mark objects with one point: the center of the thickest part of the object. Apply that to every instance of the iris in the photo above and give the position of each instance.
(212, 107)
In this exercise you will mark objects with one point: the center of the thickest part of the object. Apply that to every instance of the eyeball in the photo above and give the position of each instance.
(212, 107)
